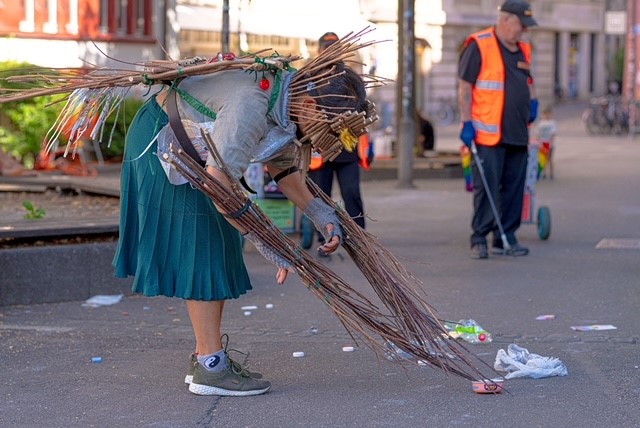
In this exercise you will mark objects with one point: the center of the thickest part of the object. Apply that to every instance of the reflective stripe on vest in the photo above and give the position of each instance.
(487, 105)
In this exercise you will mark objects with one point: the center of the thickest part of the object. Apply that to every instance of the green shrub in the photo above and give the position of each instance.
(114, 149)
(618, 65)
(24, 124)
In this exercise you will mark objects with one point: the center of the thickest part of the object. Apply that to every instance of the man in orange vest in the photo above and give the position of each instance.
(497, 104)
(346, 166)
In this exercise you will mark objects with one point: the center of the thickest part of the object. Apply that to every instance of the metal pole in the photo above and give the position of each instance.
(225, 26)
(631, 60)
(406, 92)
(635, 30)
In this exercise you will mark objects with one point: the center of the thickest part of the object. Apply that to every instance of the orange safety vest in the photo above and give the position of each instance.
(487, 104)
(363, 155)
(316, 161)
(363, 152)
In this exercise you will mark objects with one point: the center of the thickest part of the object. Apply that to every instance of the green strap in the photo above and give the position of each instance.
(201, 108)
(276, 91)
(195, 103)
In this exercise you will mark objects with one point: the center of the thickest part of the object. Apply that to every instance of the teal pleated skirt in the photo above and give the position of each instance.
(172, 239)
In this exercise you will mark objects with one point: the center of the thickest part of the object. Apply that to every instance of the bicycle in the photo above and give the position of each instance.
(606, 115)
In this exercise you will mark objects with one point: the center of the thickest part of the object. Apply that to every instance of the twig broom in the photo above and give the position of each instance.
(409, 324)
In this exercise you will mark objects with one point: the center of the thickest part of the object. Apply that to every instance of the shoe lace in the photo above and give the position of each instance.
(235, 366)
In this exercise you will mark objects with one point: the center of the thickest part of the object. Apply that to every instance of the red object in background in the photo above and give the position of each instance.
(72, 164)
(75, 135)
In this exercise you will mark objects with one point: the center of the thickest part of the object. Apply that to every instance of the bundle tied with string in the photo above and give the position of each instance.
(334, 126)
(330, 137)
(408, 321)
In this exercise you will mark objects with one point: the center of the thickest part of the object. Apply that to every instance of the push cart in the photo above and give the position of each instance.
(538, 157)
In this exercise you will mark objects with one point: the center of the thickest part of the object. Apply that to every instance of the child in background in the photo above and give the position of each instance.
(546, 135)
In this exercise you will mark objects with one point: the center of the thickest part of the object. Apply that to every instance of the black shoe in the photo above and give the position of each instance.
(479, 251)
(516, 250)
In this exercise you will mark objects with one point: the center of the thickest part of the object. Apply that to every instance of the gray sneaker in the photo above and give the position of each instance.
(228, 383)
(191, 367)
(193, 359)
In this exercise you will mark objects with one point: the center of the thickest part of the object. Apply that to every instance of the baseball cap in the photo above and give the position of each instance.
(327, 40)
(520, 8)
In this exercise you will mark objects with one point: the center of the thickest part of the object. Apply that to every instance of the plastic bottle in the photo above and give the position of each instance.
(469, 331)
(394, 353)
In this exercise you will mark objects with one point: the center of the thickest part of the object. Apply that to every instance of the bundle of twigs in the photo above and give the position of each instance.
(66, 80)
(409, 324)
(54, 81)
(93, 94)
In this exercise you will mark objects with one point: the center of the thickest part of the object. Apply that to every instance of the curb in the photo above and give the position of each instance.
(58, 273)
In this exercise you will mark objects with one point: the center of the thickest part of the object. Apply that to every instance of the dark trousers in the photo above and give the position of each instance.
(505, 168)
(348, 174)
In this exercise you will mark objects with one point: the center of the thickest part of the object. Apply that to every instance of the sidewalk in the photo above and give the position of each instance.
(585, 274)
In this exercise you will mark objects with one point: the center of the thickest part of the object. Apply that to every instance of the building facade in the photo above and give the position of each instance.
(572, 53)
(75, 33)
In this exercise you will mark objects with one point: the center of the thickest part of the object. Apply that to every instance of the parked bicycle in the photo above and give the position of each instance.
(606, 115)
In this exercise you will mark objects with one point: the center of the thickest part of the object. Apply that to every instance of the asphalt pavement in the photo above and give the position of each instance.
(587, 273)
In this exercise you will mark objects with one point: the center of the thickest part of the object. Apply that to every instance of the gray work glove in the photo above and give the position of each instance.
(321, 215)
(267, 252)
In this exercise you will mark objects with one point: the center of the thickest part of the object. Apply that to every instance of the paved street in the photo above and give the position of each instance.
(586, 273)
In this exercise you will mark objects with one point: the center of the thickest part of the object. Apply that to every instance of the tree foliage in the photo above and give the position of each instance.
(24, 124)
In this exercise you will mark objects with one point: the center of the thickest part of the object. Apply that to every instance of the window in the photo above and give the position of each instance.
(84, 19)
(126, 17)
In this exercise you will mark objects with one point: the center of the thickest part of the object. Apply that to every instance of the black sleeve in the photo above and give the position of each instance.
(470, 63)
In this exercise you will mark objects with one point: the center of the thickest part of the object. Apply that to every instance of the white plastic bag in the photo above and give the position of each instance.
(167, 142)
(520, 363)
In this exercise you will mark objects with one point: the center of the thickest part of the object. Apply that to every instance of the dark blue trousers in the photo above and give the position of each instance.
(348, 174)
(505, 168)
